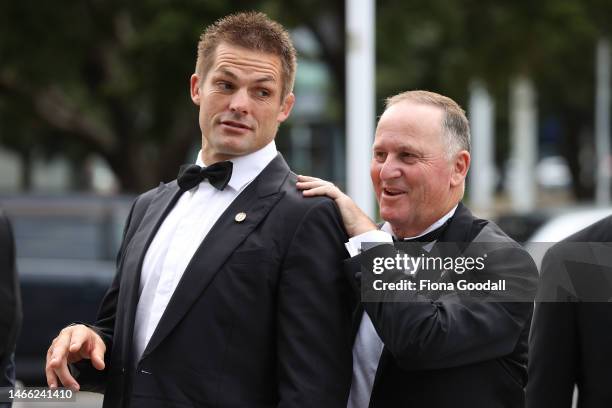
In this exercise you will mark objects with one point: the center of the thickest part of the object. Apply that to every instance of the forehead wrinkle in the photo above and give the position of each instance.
(264, 75)
(399, 133)
(396, 140)
(227, 60)
(229, 73)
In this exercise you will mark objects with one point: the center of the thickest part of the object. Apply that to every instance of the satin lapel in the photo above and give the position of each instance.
(460, 227)
(156, 212)
(222, 240)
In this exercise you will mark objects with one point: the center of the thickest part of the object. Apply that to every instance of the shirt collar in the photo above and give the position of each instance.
(386, 227)
(247, 167)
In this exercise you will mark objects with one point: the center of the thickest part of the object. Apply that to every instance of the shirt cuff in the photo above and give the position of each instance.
(353, 246)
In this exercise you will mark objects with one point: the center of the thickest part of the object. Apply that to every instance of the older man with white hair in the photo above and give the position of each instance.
(427, 349)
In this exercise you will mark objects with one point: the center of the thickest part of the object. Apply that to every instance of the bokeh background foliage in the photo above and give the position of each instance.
(111, 77)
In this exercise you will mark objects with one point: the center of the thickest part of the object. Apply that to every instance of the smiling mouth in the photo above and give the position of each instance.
(392, 192)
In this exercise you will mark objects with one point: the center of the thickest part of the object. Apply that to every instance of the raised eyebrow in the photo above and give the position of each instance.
(406, 148)
(228, 73)
(401, 149)
(267, 78)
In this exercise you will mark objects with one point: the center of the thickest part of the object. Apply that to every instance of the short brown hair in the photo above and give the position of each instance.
(254, 31)
(455, 123)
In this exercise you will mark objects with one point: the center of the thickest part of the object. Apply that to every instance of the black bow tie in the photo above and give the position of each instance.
(218, 174)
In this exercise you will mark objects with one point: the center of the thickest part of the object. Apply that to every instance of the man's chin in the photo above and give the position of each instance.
(222, 154)
(232, 148)
(392, 217)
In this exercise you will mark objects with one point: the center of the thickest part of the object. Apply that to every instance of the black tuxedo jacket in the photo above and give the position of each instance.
(260, 318)
(570, 339)
(444, 353)
(10, 303)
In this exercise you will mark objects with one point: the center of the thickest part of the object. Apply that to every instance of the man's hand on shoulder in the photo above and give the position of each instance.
(355, 221)
(73, 344)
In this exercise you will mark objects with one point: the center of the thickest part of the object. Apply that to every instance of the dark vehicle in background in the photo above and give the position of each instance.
(66, 249)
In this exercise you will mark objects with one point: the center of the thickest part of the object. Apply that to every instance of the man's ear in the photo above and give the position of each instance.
(195, 89)
(461, 165)
(286, 107)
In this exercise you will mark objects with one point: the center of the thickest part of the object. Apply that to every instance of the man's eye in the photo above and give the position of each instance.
(225, 86)
(262, 93)
(408, 156)
(380, 156)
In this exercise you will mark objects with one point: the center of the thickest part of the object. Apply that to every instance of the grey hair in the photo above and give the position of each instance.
(455, 124)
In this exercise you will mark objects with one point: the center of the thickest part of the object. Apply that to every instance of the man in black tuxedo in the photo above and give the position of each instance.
(229, 290)
(432, 349)
(10, 304)
(571, 333)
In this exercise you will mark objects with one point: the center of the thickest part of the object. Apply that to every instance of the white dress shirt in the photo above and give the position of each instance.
(180, 235)
(368, 346)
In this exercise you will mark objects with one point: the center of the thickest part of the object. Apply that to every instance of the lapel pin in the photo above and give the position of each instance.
(240, 217)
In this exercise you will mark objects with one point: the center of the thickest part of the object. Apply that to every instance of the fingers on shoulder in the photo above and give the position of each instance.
(307, 178)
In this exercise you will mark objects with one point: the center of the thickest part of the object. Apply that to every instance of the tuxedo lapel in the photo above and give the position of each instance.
(222, 240)
(165, 198)
(461, 228)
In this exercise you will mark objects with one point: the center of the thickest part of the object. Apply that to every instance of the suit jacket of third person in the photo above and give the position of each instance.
(571, 339)
(10, 303)
(441, 352)
(260, 318)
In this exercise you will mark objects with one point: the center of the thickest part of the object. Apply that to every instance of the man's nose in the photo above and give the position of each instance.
(239, 102)
(390, 169)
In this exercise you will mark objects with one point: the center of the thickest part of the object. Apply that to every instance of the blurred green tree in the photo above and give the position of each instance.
(443, 45)
(112, 77)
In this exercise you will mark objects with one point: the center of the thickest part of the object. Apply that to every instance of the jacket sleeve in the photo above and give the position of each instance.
(89, 378)
(428, 332)
(314, 314)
